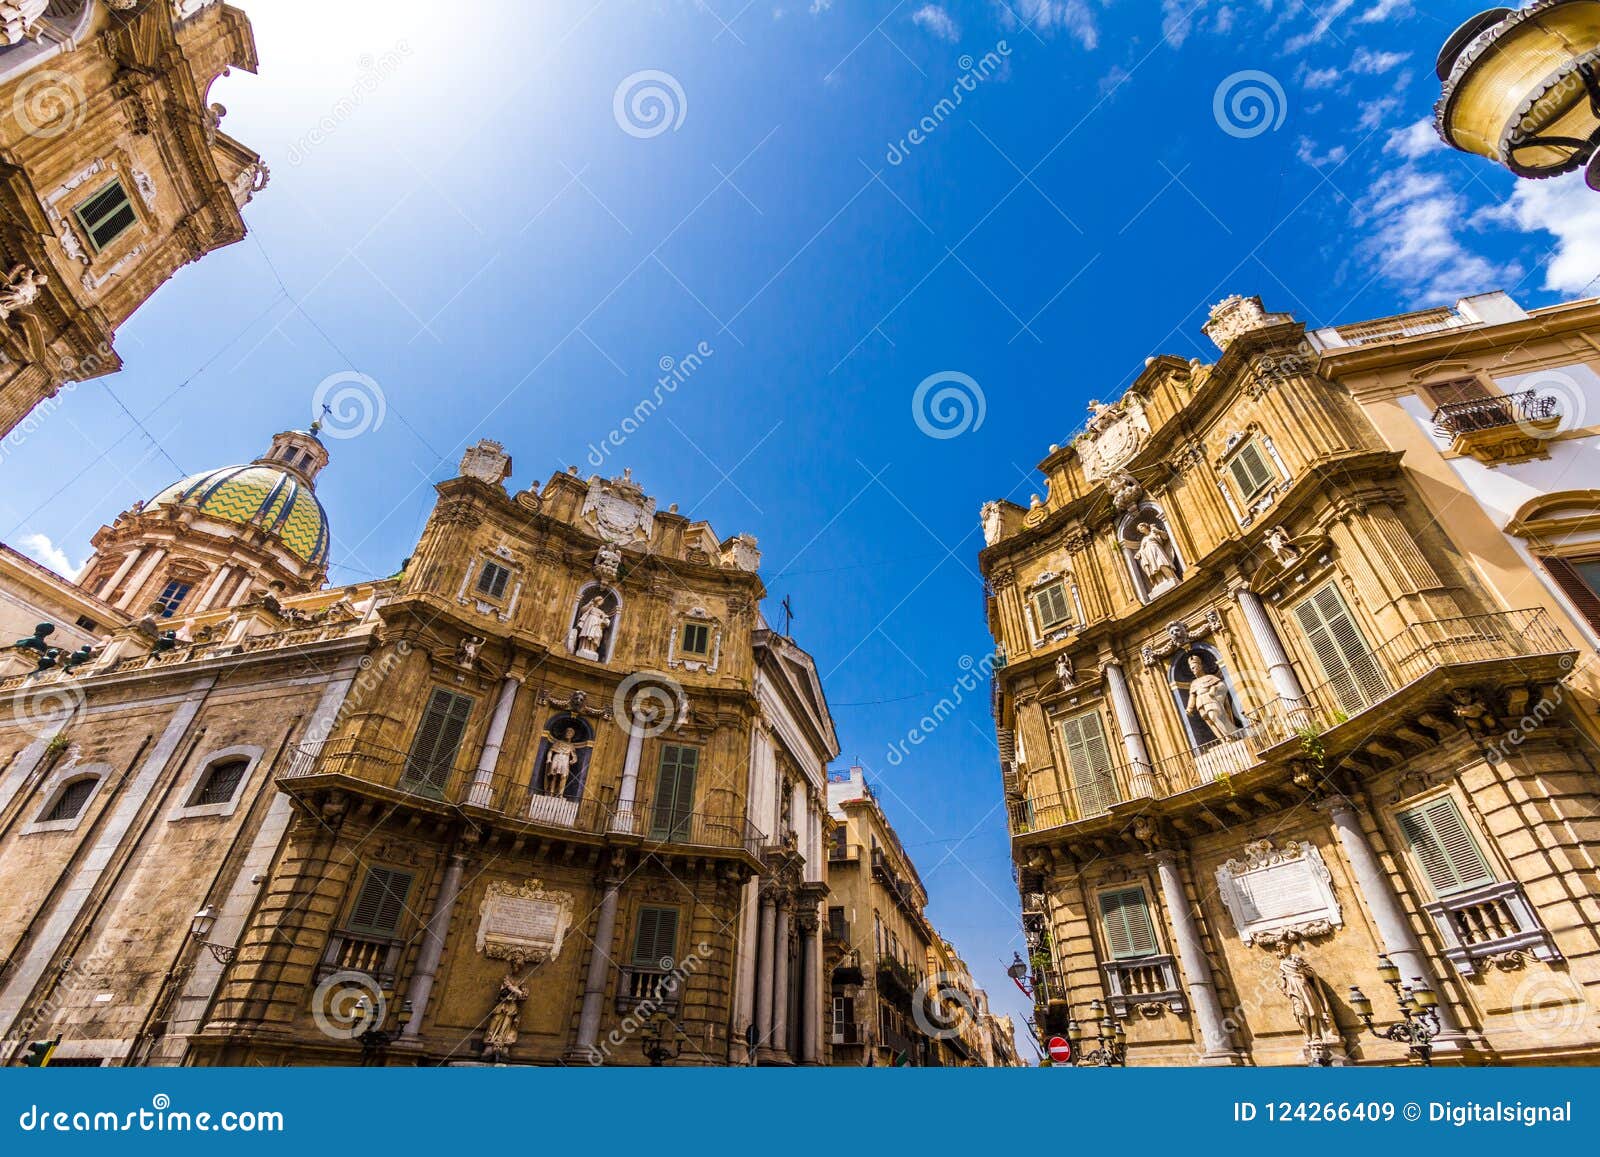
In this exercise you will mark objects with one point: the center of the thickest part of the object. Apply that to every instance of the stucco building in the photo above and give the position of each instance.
(1258, 717)
(117, 175)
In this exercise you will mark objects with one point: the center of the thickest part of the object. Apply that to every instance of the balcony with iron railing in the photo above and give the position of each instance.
(1417, 661)
(1501, 429)
(1493, 920)
(896, 976)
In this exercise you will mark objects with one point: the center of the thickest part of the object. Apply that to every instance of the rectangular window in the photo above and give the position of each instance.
(1352, 672)
(172, 596)
(1125, 916)
(837, 927)
(1050, 606)
(1250, 471)
(438, 738)
(1094, 781)
(674, 803)
(1444, 848)
(1460, 390)
(492, 580)
(696, 639)
(1579, 580)
(655, 937)
(380, 903)
(107, 215)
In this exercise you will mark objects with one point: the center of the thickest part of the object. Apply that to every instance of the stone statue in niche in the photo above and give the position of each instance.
(1282, 549)
(1155, 555)
(21, 289)
(467, 650)
(1066, 673)
(502, 1030)
(1210, 700)
(559, 762)
(1299, 982)
(593, 622)
(992, 523)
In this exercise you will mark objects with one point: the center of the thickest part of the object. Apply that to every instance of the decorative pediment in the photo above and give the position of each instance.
(1180, 636)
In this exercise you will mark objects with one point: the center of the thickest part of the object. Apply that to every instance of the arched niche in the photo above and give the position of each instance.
(561, 767)
(595, 603)
(1150, 551)
(1205, 697)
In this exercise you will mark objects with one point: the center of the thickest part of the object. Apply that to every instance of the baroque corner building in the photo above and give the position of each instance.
(554, 793)
(115, 175)
(1273, 704)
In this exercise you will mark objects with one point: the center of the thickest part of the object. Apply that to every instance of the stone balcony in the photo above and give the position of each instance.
(1394, 699)
(1500, 430)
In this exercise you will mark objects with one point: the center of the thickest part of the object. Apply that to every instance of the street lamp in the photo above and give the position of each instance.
(1017, 970)
(653, 1041)
(1110, 1040)
(200, 927)
(1419, 1012)
(375, 1038)
(1522, 87)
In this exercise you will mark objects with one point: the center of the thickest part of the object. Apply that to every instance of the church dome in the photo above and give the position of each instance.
(275, 493)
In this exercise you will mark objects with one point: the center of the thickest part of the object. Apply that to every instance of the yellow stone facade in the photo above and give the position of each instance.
(1258, 719)
(117, 175)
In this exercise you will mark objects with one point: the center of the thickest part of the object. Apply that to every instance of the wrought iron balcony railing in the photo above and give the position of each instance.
(1478, 414)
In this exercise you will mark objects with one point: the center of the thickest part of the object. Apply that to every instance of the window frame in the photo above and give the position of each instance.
(700, 625)
(82, 221)
(1421, 808)
(499, 573)
(188, 808)
(653, 962)
(1146, 906)
(411, 783)
(170, 608)
(1058, 588)
(349, 926)
(53, 790)
(1254, 445)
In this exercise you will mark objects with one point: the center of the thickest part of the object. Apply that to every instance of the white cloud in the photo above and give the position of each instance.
(1330, 13)
(1376, 63)
(1375, 112)
(1413, 141)
(1307, 152)
(1385, 10)
(1411, 218)
(936, 22)
(1313, 78)
(820, 6)
(39, 548)
(1074, 17)
(1566, 208)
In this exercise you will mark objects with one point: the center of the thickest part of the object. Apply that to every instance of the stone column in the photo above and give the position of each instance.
(482, 794)
(622, 821)
(140, 577)
(213, 588)
(121, 572)
(809, 985)
(433, 938)
(764, 975)
(780, 979)
(1214, 1039)
(1279, 669)
(594, 983)
(1141, 781)
(1394, 929)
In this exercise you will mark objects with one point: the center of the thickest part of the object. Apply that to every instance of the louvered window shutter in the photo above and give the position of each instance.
(1250, 470)
(492, 580)
(1460, 390)
(674, 802)
(1580, 582)
(1444, 847)
(1090, 761)
(1353, 674)
(438, 739)
(380, 903)
(1050, 606)
(1126, 918)
(656, 937)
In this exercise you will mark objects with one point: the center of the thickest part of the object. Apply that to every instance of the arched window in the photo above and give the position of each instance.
(217, 783)
(592, 633)
(220, 781)
(67, 802)
(1562, 531)
(1205, 697)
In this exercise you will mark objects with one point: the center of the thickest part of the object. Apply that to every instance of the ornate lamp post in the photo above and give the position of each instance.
(654, 1041)
(1419, 1017)
(1017, 970)
(1109, 1043)
(1522, 87)
(200, 927)
(374, 1039)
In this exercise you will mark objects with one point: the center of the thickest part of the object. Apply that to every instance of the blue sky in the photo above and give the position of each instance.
(478, 218)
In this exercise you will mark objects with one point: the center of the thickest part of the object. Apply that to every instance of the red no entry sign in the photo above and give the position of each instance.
(1060, 1050)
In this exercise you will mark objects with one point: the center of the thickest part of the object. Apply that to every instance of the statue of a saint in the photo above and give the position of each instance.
(1210, 700)
(1066, 672)
(1155, 556)
(593, 622)
(1298, 981)
(21, 289)
(1282, 549)
(993, 524)
(502, 1030)
(559, 762)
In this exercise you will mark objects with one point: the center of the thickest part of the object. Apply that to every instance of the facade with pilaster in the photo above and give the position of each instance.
(1257, 715)
(117, 174)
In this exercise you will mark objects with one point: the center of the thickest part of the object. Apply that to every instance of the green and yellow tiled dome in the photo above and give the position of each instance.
(261, 495)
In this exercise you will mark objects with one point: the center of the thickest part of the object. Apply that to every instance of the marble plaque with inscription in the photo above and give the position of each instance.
(523, 922)
(1272, 891)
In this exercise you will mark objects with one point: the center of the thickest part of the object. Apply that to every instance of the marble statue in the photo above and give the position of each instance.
(1298, 981)
(21, 289)
(1066, 673)
(1282, 549)
(502, 1031)
(593, 622)
(1155, 556)
(559, 763)
(992, 523)
(1210, 700)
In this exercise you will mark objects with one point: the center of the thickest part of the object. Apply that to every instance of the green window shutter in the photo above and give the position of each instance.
(438, 739)
(107, 215)
(1444, 847)
(1580, 582)
(1050, 606)
(655, 937)
(674, 802)
(1250, 470)
(1125, 915)
(380, 903)
(1353, 674)
(1089, 760)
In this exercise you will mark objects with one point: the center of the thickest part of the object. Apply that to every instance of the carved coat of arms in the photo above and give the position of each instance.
(1115, 435)
(619, 511)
